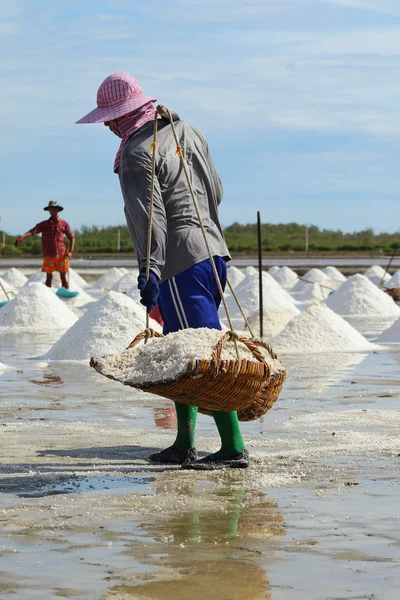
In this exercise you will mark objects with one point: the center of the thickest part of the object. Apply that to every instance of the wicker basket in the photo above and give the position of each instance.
(394, 293)
(268, 395)
(215, 384)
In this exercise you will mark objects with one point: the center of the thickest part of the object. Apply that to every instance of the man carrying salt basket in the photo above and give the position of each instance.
(181, 279)
(55, 254)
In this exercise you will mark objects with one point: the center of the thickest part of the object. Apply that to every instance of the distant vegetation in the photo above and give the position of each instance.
(287, 237)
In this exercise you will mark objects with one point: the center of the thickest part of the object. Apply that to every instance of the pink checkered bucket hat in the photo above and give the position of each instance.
(117, 96)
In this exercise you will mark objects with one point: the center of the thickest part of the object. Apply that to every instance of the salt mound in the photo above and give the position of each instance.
(286, 277)
(334, 274)
(393, 282)
(37, 277)
(79, 301)
(123, 270)
(126, 282)
(7, 291)
(36, 308)
(377, 275)
(275, 320)
(14, 277)
(316, 276)
(248, 295)
(134, 293)
(392, 334)
(110, 278)
(164, 358)
(359, 296)
(320, 329)
(273, 270)
(312, 293)
(250, 271)
(77, 279)
(108, 326)
(235, 276)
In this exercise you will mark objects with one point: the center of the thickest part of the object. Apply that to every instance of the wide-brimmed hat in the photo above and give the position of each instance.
(117, 96)
(53, 204)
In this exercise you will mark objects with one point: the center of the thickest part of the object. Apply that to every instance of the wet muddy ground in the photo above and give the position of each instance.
(84, 515)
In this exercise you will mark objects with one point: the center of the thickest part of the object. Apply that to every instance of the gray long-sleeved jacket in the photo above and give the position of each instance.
(177, 240)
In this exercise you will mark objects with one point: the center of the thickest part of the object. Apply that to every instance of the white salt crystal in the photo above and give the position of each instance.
(36, 308)
(126, 282)
(377, 275)
(312, 293)
(164, 358)
(108, 326)
(319, 329)
(248, 295)
(79, 301)
(390, 335)
(235, 276)
(273, 270)
(14, 277)
(275, 320)
(286, 277)
(250, 271)
(7, 291)
(316, 276)
(37, 277)
(394, 281)
(334, 274)
(110, 278)
(359, 296)
(77, 279)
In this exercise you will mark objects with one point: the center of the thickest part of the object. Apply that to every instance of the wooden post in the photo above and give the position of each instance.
(260, 282)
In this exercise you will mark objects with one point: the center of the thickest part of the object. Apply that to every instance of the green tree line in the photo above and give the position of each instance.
(283, 237)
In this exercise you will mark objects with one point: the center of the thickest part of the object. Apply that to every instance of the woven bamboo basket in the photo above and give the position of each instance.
(267, 396)
(394, 293)
(216, 384)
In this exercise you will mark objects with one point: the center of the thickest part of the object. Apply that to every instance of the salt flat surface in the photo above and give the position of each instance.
(359, 296)
(108, 326)
(36, 308)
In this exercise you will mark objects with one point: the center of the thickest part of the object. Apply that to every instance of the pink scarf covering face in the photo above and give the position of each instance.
(125, 126)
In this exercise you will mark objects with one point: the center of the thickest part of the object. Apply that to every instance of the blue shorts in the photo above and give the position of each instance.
(191, 299)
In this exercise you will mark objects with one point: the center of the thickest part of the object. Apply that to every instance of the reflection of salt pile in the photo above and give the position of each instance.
(334, 274)
(235, 276)
(359, 296)
(109, 279)
(108, 326)
(7, 291)
(377, 275)
(393, 282)
(392, 334)
(126, 282)
(248, 295)
(163, 358)
(319, 329)
(36, 308)
(286, 277)
(14, 277)
(275, 319)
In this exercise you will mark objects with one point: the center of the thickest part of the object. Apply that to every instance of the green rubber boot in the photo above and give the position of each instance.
(183, 449)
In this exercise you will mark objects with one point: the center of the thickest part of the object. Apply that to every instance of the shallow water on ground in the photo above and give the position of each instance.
(84, 515)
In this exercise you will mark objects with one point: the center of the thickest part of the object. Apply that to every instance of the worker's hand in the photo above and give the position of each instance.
(149, 290)
(68, 254)
(19, 241)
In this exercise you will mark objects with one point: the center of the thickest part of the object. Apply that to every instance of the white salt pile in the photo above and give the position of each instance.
(250, 271)
(110, 278)
(273, 270)
(275, 320)
(164, 358)
(3, 367)
(334, 274)
(79, 301)
(312, 293)
(14, 277)
(312, 276)
(286, 277)
(394, 281)
(7, 291)
(319, 329)
(316, 276)
(134, 293)
(36, 308)
(74, 277)
(377, 275)
(235, 276)
(123, 270)
(360, 297)
(390, 335)
(248, 295)
(38, 277)
(126, 282)
(108, 326)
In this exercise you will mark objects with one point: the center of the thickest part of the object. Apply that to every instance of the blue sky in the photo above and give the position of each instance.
(299, 99)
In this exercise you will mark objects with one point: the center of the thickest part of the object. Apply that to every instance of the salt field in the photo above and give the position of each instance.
(85, 515)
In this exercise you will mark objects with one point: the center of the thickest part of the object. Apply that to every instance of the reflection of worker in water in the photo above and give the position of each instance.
(165, 418)
(184, 541)
(55, 254)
